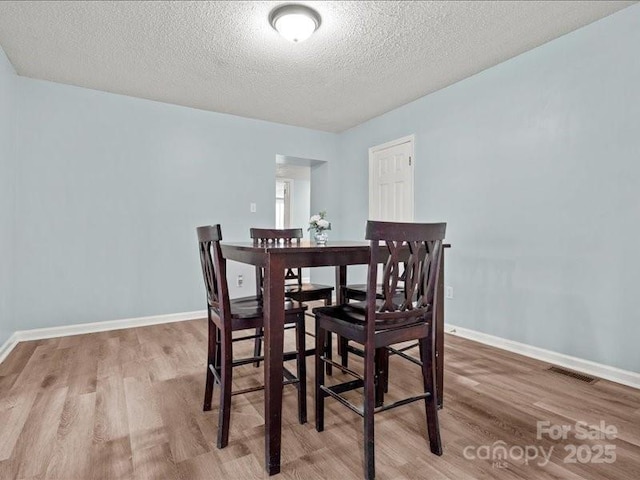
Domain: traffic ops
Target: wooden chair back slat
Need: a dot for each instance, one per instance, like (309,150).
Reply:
(263,236)
(420,272)
(275,235)
(214,270)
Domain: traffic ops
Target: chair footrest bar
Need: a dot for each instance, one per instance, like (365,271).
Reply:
(216,377)
(246,361)
(246,337)
(289,376)
(248,390)
(403,349)
(343,369)
(354,350)
(342,400)
(346,386)
(399,403)
(286,356)
(261,387)
(287,380)
(400,353)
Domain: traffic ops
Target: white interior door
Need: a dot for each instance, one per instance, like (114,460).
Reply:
(391,181)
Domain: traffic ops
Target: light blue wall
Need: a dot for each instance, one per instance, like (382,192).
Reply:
(109,192)
(7,162)
(535,165)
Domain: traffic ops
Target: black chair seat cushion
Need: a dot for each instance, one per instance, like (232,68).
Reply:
(249,307)
(247,312)
(352,315)
(359,291)
(307,287)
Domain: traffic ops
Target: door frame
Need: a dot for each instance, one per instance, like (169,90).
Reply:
(411,139)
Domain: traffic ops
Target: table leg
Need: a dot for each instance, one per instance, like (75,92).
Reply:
(273,348)
(440,335)
(341,280)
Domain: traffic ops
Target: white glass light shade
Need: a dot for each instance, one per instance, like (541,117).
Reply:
(295,27)
(295,22)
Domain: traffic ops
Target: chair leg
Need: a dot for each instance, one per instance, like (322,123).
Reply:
(386,370)
(342,344)
(329,351)
(319,395)
(225,390)
(211,360)
(431,402)
(379,376)
(344,351)
(217,361)
(369,402)
(257,345)
(301,366)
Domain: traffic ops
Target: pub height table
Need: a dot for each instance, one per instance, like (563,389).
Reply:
(275,259)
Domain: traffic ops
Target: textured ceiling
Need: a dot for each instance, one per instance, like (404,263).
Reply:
(367,57)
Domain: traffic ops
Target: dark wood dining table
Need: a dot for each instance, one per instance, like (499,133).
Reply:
(275,258)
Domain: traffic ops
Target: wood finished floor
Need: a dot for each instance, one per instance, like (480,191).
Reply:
(127,404)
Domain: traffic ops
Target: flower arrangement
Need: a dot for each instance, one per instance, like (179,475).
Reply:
(319,223)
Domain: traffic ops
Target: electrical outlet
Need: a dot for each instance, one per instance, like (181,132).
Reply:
(240,280)
(448,291)
(253,208)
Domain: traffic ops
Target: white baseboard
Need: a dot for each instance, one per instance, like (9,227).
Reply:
(67,330)
(7,346)
(625,377)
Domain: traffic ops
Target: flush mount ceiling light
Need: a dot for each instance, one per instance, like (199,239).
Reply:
(294,22)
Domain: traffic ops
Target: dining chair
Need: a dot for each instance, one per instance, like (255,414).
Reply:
(226,316)
(377,323)
(295,288)
(358,293)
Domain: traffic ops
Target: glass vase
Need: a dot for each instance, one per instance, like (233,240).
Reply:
(321,237)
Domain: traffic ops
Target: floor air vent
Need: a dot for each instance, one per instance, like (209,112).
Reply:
(568,373)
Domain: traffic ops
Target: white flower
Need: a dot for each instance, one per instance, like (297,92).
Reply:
(322,223)
(315,218)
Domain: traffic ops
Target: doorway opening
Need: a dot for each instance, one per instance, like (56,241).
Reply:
(296,181)
(293,196)
(299,185)
(283,202)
